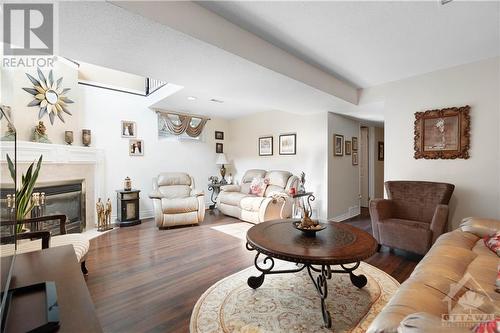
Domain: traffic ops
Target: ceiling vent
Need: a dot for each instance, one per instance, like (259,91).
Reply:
(444,2)
(216,100)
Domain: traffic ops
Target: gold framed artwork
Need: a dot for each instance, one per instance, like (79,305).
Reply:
(338,145)
(442,133)
(355,158)
(354,143)
(348,147)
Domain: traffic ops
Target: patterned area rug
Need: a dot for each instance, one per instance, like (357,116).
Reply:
(289,303)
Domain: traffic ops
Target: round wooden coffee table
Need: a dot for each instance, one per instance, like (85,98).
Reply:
(338,244)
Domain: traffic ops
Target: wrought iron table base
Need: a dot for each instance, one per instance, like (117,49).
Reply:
(320,282)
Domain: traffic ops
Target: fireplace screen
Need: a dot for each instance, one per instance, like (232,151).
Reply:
(51,199)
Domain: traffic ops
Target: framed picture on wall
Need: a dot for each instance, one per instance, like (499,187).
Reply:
(443,133)
(355,158)
(348,147)
(288,144)
(338,145)
(380,151)
(266,146)
(219,135)
(136,147)
(129,129)
(354,143)
(219,148)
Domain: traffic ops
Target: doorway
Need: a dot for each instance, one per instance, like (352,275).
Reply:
(364,166)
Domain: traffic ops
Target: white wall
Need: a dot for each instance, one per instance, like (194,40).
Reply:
(311,155)
(343,177)
(103,111)
(477,182)
(26,118)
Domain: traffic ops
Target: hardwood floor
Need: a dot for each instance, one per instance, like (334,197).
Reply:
(142,279)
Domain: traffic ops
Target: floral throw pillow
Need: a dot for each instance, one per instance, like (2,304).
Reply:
(492,326)
(258,186)
(493,242)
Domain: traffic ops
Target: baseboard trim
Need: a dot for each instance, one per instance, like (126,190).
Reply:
(351,213)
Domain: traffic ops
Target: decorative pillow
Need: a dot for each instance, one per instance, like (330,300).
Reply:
(497,283)
(492,326)
(493,242)
(258,186)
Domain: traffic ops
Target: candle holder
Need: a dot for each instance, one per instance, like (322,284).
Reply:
(68,137)
(86,137)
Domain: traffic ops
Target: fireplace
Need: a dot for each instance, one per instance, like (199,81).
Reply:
(67,197)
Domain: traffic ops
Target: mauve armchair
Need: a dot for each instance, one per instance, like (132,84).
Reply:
(414,215)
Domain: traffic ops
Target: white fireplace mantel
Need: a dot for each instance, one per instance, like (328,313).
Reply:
(63,162)
(52,153)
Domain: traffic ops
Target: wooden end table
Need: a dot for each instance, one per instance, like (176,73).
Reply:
(338,244)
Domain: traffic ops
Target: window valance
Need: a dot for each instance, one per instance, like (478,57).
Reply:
(179,123)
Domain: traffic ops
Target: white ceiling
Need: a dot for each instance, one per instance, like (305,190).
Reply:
(366,43)
(370,43)
(106,35)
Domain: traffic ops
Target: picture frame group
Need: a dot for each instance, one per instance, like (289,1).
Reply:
(287,145)
(343,147)
(129,130)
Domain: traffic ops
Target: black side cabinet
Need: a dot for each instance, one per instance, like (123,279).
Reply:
(128,208)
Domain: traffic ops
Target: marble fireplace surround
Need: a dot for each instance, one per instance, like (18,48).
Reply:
(61,163)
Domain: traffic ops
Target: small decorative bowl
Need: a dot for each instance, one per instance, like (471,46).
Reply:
(308,232)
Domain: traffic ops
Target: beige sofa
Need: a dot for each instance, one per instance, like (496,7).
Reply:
(235,200)
(457,269)
(175,201)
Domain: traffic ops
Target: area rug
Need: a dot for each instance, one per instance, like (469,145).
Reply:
(238,230)
(289,303)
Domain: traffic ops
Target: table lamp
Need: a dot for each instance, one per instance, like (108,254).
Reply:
(221,160)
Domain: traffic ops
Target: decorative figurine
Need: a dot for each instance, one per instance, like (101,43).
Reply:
(127,184)
(108,210)
(86,137)
(213,180)
(100,215)
(39,134)
(10,135)
(301,188)
(68,137)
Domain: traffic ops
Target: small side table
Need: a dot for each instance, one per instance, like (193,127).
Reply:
(215,188)
(127,203)
(308,196)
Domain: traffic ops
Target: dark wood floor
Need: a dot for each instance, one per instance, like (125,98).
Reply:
(147,280)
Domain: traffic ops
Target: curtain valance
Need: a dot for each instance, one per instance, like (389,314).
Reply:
(178,123)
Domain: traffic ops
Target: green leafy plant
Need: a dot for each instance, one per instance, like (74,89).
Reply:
(23,194)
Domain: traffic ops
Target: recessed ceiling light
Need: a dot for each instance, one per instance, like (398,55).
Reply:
(216,100)
(191,98)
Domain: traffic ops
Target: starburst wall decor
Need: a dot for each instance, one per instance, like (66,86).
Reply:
(49,96)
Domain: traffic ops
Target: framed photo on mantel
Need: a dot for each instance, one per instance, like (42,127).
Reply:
(442,134)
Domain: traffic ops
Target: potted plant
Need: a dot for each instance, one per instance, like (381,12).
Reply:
(24,205)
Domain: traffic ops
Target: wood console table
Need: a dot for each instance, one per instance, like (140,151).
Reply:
(59,264)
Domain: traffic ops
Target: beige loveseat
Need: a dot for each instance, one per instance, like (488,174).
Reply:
(457,276)
(175,201)
(235,200)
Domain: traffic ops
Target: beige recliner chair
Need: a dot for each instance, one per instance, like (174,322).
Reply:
(175,201)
